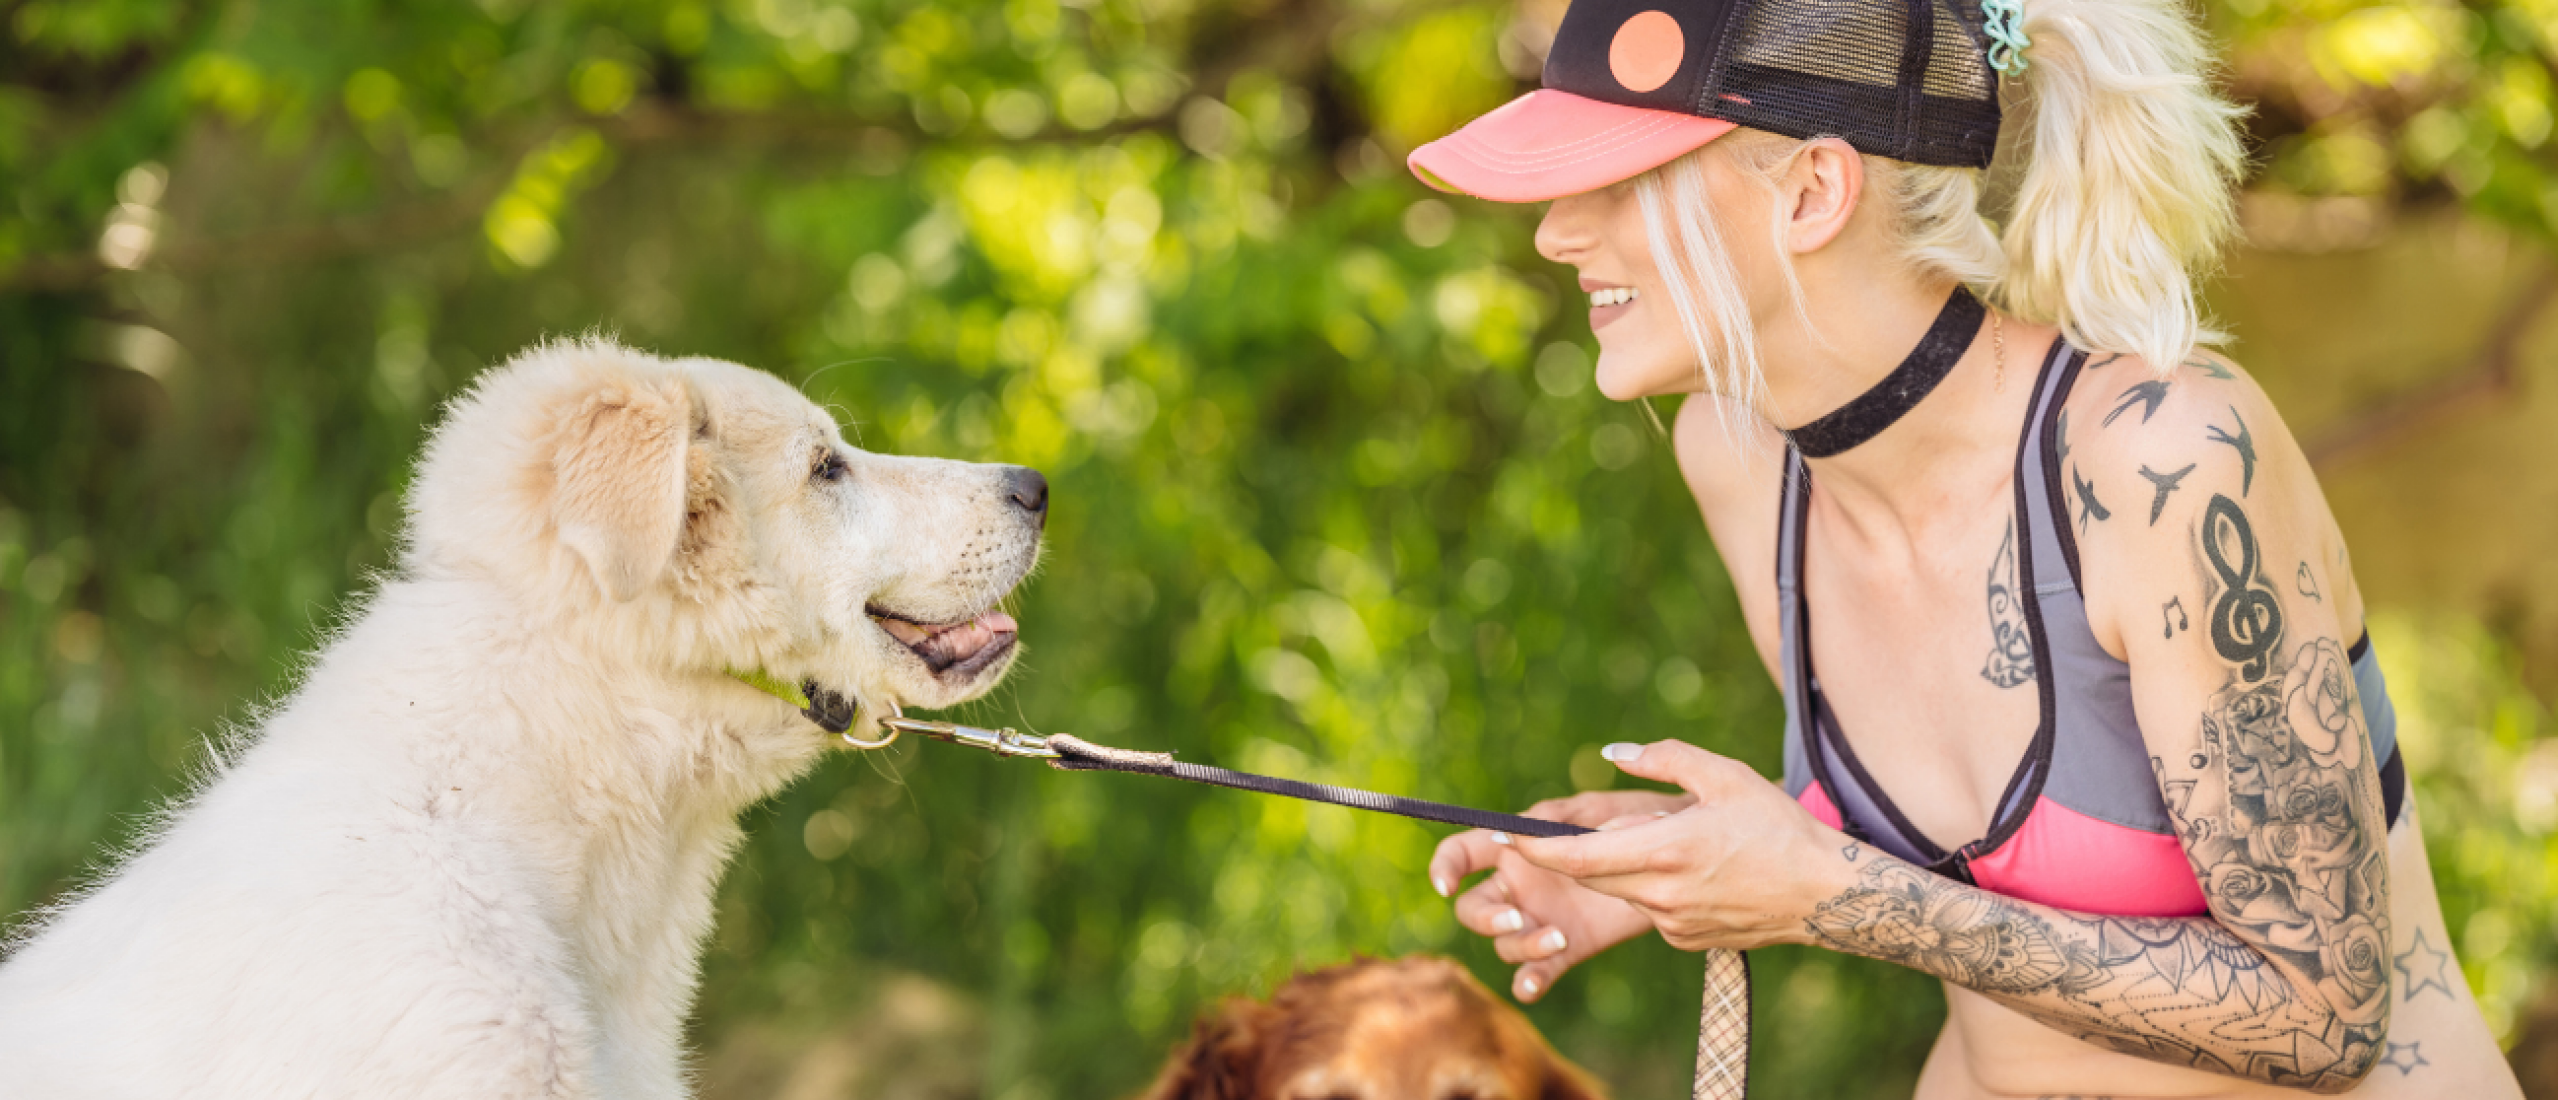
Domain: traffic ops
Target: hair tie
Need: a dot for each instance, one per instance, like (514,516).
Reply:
(2004,22)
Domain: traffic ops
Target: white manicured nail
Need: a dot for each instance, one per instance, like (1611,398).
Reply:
(1622,752)
(1440,885)
(1502,839)
(1510,920)
(1529,986)
(1553,939)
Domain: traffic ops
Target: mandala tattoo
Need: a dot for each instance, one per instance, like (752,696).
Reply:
(2011,660)
(2277,803)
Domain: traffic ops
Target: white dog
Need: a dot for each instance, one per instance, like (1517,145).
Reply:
(474,855)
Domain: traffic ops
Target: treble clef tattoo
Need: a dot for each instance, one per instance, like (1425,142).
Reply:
(2245,620)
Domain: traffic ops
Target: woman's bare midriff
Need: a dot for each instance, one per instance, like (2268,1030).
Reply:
(2439,1046)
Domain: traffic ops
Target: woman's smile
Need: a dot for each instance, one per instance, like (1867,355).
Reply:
(1607,302)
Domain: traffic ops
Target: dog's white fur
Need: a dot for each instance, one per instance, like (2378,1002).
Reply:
(474,855)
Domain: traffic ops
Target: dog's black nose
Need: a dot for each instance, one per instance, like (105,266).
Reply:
(1030,490)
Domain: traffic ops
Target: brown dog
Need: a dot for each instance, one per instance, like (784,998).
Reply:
(1419,1028)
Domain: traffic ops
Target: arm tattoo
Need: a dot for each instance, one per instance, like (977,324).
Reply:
(2089,508)
(2244,444)
(2011,660)
(2166,484)
(2278,806)
(2148,395)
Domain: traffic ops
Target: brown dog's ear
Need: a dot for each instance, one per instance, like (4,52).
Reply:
(618,479)
(1565,1081)
(1220,1060)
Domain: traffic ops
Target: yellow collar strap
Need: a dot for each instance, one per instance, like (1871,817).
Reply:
(764,682)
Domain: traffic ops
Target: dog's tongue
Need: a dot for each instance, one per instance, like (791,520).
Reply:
(952,643)
(962,642)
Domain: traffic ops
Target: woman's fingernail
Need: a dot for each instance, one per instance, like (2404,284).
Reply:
(1510,920)
(1528,986)
(1553,940)
(1440,885)
(1502,839)
(1622,752)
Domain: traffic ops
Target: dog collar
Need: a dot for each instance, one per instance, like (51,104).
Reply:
(832,711)
(764,682)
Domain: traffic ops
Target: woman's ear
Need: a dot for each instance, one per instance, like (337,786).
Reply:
(1820,192)
(1220,1060)
(618,478)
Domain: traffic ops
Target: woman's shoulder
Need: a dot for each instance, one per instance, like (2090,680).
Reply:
(2151,461)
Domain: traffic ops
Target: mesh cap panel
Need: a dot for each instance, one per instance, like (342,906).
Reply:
(1905,79)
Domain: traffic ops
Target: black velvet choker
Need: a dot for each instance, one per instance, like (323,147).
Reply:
(1867,414)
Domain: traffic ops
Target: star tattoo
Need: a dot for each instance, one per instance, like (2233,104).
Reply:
(2404,1057)
(2166,484)
(2244,444)
(2148,395)
(2089,506)
(2421,966)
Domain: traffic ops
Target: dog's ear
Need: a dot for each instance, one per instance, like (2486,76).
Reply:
(619,479)
(1565,1081)
(1220,1060)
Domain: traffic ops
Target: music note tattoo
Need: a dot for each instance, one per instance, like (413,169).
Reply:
(2166,484)
(2246,620)
(2179,622)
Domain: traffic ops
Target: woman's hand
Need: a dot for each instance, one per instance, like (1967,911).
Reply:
(1740,866)
(1537,918)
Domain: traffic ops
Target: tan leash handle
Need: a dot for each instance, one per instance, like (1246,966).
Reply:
(1723,1028)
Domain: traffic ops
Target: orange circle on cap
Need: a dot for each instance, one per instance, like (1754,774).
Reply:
(1646,52)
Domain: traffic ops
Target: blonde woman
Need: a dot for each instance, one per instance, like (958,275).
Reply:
(2082,717)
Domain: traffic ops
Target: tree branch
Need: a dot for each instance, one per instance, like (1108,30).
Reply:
(2495,372)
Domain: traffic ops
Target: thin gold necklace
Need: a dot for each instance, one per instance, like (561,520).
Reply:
(1998,351)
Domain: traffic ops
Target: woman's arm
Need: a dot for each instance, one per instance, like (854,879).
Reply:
(2181,990)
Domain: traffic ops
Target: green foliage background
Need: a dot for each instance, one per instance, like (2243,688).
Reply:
(1335,498)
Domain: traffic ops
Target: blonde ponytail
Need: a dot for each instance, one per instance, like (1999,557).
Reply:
(2128,188)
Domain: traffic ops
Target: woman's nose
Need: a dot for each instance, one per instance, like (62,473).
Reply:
(1563,235)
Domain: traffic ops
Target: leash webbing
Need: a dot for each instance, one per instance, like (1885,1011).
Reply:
(1723,1023)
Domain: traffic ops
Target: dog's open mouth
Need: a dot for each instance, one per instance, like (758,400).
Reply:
(964,647)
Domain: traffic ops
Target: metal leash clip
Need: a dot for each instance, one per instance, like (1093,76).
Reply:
(1001,742)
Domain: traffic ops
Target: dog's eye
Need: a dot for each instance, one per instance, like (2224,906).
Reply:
(830,467)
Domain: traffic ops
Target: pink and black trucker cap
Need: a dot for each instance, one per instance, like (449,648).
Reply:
(1631,85)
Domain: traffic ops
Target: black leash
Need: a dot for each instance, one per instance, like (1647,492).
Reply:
(1723,1028)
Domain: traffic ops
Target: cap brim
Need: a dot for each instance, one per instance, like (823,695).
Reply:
(1548,144)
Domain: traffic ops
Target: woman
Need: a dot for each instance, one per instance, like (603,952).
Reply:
(2082,718)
